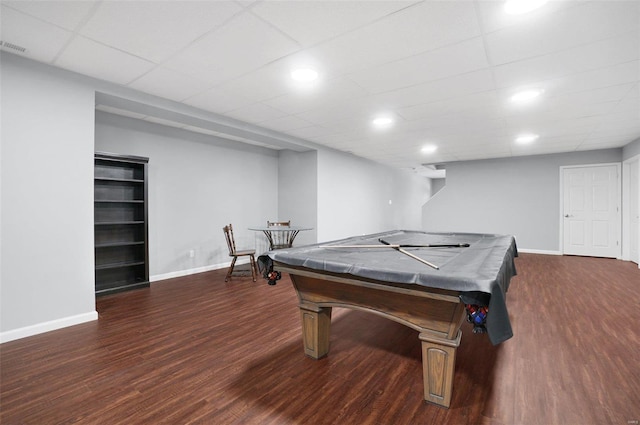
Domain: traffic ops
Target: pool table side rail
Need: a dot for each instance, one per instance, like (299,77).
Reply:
(401,288)
(438,313)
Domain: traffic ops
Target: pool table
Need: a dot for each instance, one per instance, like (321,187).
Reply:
(419,279)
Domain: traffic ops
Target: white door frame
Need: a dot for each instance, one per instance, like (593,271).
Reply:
(618,200)
(626,209)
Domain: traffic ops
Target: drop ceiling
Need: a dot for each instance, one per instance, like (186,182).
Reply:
(443,70)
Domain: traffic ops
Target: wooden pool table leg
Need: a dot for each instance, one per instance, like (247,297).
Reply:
(438,366)
(316,327)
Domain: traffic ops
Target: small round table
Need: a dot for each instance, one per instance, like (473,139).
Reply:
(280,236)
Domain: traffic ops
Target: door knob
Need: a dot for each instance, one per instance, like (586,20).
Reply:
(568,215)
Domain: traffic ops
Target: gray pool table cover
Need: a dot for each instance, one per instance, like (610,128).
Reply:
(481,272)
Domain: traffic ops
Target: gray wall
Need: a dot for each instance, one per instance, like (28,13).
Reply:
(47,276)
(517,196)
(437,185)
(197,185)
(354,195)
(297,189)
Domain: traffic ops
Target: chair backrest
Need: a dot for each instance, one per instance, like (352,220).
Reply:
(281,238)
(278,223)
(231,243)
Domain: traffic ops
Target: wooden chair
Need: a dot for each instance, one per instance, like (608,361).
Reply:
(280,237)
(233,252)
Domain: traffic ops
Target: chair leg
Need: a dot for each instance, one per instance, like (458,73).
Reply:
(233,263)
(254,267)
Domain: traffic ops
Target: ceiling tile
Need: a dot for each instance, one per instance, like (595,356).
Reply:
(601,144)
(576,26)
(471,129)
(629,105)
(624,130)
(155,30)
(270,81)
(66,14)
(552,125)
(340,138)
(556,105)
(329,94)
(312,22)
(438,90)
(357,110)
(494,17)
(538,149)
(427,63)
(242,45)
(41,40)
(476,102)
(623,114)
(481,151)
(452,60)
(589,57)
(601,94)
(614,75)
(608,140)
(217,100)
(416,29)
(169,84)
(99,61)
(559,112)
(256,113)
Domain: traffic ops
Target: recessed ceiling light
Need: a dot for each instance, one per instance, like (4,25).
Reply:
(304,75)
(428,149)
(526,95)
(518,7)
(383,121)
(526,139)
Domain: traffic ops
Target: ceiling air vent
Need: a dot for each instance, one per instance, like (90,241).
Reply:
(12,47)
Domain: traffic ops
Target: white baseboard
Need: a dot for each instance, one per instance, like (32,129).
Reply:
(47,326)
(180,273)
(87,317)
(538,251)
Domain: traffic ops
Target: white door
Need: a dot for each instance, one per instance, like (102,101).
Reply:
(634,211)
(591,211)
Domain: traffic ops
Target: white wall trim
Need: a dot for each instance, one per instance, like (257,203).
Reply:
(187,272)
(51,325)
(88,317)
(626,209)
(538,251)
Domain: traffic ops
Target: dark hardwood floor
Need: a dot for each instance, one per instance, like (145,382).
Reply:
(197,350)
